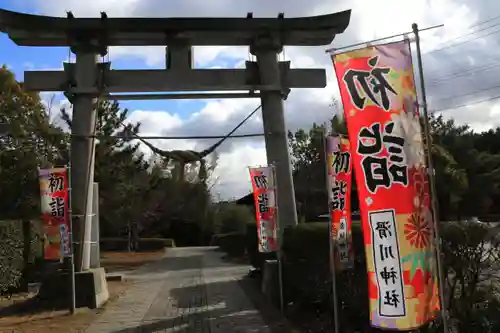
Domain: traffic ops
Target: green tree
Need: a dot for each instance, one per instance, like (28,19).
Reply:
(120,170)
(307,150)
(467,169)
(29,141)
(27,145)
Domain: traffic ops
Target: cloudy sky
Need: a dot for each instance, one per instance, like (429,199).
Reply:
(461,63)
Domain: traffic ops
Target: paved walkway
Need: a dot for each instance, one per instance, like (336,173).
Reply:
(191,290)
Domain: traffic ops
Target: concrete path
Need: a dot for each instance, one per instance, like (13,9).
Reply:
(191,290)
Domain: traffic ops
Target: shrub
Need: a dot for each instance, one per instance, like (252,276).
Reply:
(145,244)
(215,241)
(233,244)
(471,255)
(471,263)
(232,218)
(11,253)
(308,279)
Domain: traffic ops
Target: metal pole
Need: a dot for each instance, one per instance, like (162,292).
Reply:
(330,237)
(72,306)
(432,181)
(280,241)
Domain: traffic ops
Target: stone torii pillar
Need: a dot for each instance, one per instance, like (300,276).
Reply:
(84,101)
(266,49)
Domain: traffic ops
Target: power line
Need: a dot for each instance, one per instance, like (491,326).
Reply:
(463,42)
(468,94)
(468,34)
(485,21)
(468,104)
(472,32)
(468,72)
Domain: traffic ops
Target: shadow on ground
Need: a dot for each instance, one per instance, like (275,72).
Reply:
(172,264)
(32,305)
(197,310)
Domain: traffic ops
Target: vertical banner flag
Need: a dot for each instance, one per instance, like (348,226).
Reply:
(379,97)
(55,215)
(339,192)
(264,190)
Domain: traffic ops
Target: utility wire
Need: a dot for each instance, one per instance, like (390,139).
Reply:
(468,94)
(472,32)
(467,104)
(467,72)
(474,69)
(462,42)
(465,35)
(485,21)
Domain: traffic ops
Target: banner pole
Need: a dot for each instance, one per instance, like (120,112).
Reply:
(72,307)
(432,181)
(280,238)
(330,237)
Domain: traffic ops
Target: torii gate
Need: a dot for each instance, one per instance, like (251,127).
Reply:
(86,79)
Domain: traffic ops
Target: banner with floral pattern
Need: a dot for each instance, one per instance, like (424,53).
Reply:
(264,190)
(55,214)
(339,186)
(380,106)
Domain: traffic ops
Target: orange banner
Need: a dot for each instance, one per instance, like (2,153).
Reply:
(264,189)
(54,204)
(379,97)
(339,191)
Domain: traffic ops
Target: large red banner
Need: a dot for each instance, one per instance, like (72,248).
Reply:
(264,189)
(55,214)
(339,190)
(379,97)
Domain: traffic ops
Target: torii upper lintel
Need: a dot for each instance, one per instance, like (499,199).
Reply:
(36,30)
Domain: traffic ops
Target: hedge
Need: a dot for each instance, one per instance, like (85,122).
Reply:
(11,254)
(469,251)
(145,244)
(232,243)
(307,277)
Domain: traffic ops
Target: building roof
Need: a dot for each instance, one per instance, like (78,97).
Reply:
(246,200)
(37,30)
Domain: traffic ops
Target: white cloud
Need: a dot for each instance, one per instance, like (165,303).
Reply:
(370,20)
(234,180)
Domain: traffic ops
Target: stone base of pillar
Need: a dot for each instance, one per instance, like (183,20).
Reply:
(91,289)
(270,282)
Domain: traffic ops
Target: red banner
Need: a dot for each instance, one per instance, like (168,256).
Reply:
(55,215)
(378,93)
(264,189)
(339,190)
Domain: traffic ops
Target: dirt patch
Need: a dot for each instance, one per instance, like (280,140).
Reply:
(32,315)
(115,262)
(23,313)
